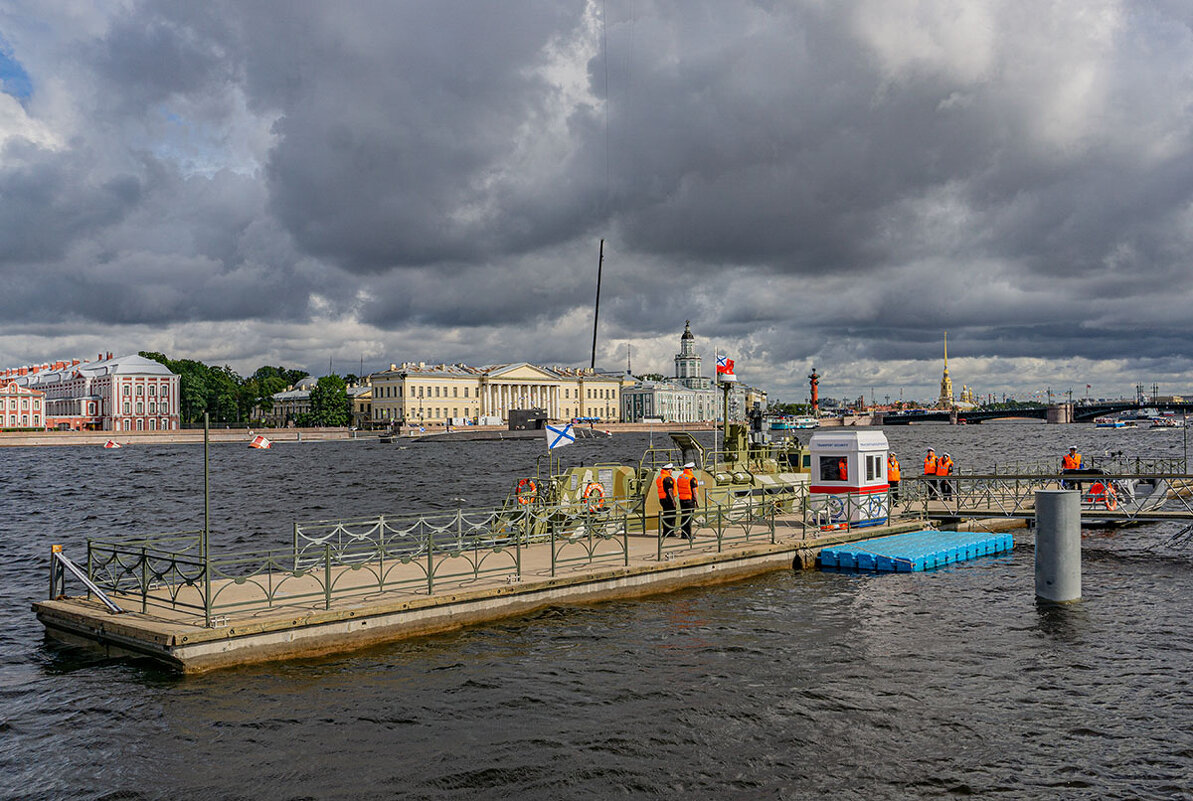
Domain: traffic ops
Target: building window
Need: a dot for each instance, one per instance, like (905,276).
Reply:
(127,408)
(91,408)
(465,392)
(140,390)
(152,407)
(140,425)
(140,408)
(455,392)
(127,391)
(153,390)
(152,424)
(165,390)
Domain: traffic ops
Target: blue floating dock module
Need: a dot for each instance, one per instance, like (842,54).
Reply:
(917,550)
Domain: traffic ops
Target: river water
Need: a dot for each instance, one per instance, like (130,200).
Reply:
(790,685)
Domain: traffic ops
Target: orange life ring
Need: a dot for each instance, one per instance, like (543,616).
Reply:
(526,491)
(594,494)
(1110,500)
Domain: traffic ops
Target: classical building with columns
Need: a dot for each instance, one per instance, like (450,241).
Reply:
(422,394)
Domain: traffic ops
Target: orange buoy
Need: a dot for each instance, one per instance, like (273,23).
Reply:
(260,442)
(112,444)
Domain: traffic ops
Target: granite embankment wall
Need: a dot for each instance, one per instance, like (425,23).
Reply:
(193,436)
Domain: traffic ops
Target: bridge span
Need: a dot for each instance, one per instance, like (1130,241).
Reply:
(1058,412)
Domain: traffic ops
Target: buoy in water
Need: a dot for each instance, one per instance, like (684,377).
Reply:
(260,442)
(112,444)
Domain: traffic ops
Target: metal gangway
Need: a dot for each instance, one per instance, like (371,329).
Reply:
(1114,491)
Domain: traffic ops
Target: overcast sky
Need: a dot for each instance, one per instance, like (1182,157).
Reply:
(810,183)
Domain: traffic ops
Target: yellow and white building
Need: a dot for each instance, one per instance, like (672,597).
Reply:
(422,394)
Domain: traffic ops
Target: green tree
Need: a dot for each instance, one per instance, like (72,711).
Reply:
(329,403)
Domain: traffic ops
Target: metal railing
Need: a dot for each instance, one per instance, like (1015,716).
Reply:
(1014,495)
(333,560)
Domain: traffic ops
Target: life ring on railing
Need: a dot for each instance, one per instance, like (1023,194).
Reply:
(594,496)
(526,491)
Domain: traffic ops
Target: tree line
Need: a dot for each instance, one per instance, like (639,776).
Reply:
(231,399)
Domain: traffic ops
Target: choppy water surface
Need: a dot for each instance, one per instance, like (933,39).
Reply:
(791,685)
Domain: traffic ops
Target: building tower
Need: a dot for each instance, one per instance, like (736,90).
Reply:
(687,361)
(946,383)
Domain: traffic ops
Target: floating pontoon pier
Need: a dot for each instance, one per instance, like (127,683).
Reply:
(915,551)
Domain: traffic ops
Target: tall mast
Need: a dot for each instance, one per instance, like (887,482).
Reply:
(597,312)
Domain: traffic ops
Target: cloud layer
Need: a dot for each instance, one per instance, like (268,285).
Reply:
(809,183)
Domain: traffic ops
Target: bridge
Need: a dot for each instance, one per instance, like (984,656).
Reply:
(1078,412)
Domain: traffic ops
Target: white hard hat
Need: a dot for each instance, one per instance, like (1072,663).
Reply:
(689,464)
(1072,447)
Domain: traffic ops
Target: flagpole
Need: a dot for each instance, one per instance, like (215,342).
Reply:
(716,355)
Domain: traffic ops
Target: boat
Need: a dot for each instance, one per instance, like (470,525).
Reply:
(805,422)
(1129,495)
(1113,422)
(740,475)
(1167,422)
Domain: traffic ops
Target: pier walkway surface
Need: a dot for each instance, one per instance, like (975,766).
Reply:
(316,607)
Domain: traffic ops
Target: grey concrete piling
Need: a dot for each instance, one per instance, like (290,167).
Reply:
(1058,545)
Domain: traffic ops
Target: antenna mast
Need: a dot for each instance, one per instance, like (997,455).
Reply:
(597,312)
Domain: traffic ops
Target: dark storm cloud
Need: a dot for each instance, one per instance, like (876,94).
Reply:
(839,182)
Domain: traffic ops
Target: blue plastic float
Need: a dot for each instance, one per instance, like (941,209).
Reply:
(917,550)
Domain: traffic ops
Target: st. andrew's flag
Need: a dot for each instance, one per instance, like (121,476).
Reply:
(558,436)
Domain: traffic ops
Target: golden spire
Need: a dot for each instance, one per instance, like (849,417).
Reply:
(946,383)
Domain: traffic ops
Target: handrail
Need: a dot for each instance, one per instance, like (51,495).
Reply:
(59,563)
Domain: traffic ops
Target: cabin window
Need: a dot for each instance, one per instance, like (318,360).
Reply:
(873,468)
(834,468)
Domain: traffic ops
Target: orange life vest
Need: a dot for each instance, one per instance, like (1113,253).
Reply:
(944,467)
(686,485)
(659,483)
(930,465)
(892,468)
(1071,461)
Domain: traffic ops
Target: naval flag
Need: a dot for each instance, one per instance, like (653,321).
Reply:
(558,436)
(724,365)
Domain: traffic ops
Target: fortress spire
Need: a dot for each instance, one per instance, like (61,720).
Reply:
(946,384)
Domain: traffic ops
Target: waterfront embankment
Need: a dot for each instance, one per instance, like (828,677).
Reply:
(190,436)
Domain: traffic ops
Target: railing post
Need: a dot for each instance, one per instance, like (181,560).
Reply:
(144,581)
(659,534)
(206,589)
(430,561)
(54,570)
(327,575)
(552,533)
(720,528)
(518,550)
(625,537)
(381,552)
(773,513)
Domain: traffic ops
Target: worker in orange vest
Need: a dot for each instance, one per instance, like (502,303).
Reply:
(842,469)
(892,476)
(930,473)
(665,485)
(1071,460)
(685,488)
(944,467)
